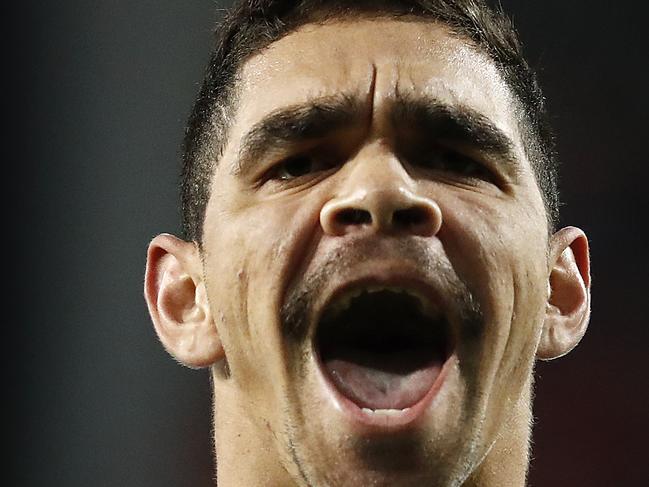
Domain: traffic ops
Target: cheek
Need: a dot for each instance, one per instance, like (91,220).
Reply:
(252,251)
(501,254)
(499,249)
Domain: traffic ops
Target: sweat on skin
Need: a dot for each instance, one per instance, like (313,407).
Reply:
(371,200)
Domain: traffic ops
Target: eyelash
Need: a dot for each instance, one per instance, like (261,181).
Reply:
(281,170)
(452,162)
(447,161)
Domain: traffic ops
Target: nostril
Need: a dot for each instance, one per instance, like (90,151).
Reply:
(388,211)
(353,216)
(410,217)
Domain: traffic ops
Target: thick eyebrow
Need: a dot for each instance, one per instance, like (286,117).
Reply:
(457,124)
(426,116)
(295,124)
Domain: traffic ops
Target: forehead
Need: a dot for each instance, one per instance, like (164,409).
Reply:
(373,57)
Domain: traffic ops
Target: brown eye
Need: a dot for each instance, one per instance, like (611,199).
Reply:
(294,167)
(299,166)
(458,163)
(454,163)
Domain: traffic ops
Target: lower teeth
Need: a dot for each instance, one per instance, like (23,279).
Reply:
(385,412)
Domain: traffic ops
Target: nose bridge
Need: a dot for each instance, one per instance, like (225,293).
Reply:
(377,169)
(377,192)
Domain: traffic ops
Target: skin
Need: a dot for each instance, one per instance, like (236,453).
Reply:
(479,234)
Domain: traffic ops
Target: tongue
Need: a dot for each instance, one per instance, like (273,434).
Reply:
(383,380)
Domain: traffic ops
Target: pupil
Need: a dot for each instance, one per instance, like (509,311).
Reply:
(298,166)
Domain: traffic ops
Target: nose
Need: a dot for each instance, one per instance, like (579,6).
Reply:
(379,194)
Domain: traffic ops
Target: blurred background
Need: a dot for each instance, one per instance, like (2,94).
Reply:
(96,98)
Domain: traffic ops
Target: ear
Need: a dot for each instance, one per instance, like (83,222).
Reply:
(568,307)
(177,300)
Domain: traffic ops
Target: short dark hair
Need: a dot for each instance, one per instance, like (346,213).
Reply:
(252,25)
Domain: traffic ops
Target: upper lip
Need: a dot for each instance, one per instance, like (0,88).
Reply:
(391,276)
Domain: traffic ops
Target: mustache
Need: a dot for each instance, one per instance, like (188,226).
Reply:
(298,307)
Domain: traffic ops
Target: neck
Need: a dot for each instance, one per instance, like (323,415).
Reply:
(507,462)
(246,450)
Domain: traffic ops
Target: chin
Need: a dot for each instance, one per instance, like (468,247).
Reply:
(402,460)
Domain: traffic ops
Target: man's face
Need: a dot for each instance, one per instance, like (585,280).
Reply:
(375,254)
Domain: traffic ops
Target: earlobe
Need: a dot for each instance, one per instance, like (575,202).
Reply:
(568,306)
(177,300)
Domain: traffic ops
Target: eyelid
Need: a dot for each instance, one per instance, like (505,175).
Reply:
(425,159)
(324,161)
(282,165)
(492,163)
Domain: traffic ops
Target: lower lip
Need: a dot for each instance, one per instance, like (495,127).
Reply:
(383,422)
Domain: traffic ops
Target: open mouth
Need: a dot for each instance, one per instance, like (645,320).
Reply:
(382,348)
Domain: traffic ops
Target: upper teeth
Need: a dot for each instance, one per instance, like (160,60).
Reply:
(343,301)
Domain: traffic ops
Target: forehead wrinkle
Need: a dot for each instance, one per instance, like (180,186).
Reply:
(311,120)
(258,75)
(384,76)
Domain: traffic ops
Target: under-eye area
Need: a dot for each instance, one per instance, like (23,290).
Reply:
(382,348)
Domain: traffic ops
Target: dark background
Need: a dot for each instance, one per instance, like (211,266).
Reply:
(97,94)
